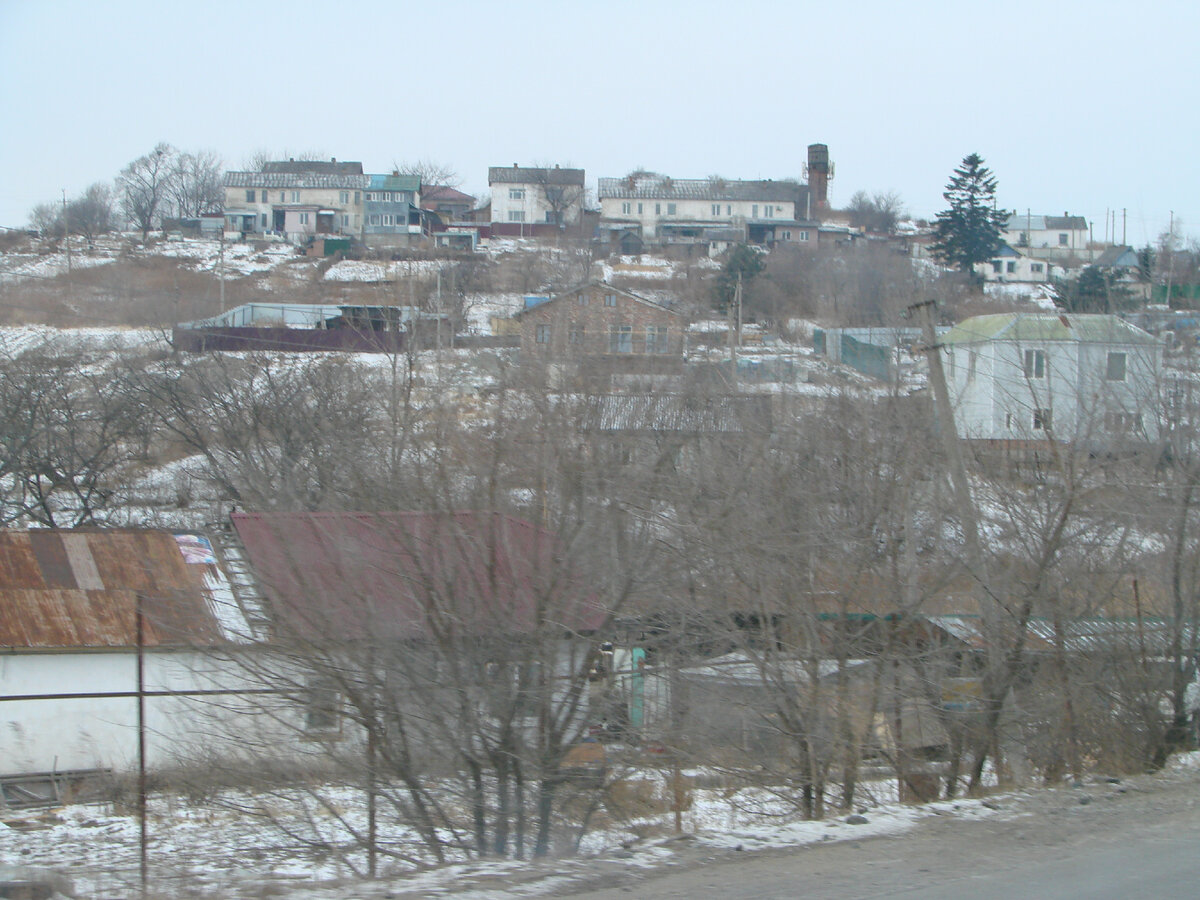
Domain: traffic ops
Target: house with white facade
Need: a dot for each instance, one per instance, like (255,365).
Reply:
(1047,377)
(1010,266)
(1048,237)
(532,195)
(94,623)
(665,210)
(297,200)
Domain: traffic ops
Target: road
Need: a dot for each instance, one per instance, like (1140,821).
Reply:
(1139,838)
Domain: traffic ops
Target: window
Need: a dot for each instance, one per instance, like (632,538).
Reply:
(670,209)
(658,209)
(283,196)
(610,299)
(1062,239)
(264,220)
(575,335)
(543,334)
(1115,371)
(656,339)
(357,199)
(620,339)
(323,709)
(768,212)
(639,209)
(516,215)
(785,235)
(345,221)
(387,219)
(583,298)
(303,218)
(250,196)
(1035,363)
(516,193)
(729,209)
(716,209)
(1036,268)
(1041,419)
(626,208)
(754,211)
(1010,267)
(387,197)
(295,196)
(373,219)
(804,235)
(1122,421)
(1009,420)
(344,197)
(997,265)
(971,357)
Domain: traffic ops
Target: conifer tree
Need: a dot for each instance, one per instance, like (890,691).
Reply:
(969,231)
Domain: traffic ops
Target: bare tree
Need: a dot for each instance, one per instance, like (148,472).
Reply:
(878,212)
(433,173)
(195,183)
(144,186)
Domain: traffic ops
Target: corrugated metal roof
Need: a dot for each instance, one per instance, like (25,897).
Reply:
(403,576)
(1023,222)
(533,175)
(314,167)
(395,182)
(1030,327)
(65,589)
(296,180)
(652,186)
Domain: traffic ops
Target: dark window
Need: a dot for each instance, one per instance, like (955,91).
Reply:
(250,197)
(543,334)
(1115,371)
(1041,420)
(1035,363)
(620,339)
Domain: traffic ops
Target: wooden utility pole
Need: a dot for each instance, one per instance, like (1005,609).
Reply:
(67,231)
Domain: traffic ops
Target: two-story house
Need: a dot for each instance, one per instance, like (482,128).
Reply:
(392,210)
(297,199)
(1047,237)
(597,319)
(530,195)
(1050,377)
(666,210)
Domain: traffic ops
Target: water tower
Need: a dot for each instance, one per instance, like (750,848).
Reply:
(818,172)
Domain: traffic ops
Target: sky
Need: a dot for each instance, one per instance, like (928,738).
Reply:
(1076,107)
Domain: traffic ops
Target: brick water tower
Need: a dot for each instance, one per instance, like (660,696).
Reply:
(818,172)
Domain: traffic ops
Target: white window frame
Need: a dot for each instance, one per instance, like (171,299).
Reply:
(516,215)
(1035,364)
(516,193)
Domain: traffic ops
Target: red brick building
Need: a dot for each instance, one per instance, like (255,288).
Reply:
(597,319)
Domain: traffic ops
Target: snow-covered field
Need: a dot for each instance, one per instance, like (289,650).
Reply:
(216,848)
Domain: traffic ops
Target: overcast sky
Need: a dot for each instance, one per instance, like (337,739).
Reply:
(1076,107)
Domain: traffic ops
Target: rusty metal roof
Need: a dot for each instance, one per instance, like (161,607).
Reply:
(347,576)
(79,589)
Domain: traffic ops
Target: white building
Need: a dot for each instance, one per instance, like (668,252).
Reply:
(298,200)
(674,210)
(1053,377)
(70,605)
(527,195)
(1047,237)
(1010,266)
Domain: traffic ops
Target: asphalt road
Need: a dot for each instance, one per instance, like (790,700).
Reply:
(1133,840)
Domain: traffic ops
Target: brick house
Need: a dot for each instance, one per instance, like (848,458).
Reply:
(597,319)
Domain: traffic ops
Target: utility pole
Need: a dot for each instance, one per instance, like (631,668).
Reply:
(67,232)
(221,265)
(734,327)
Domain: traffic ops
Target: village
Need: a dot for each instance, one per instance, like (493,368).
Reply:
(415,531)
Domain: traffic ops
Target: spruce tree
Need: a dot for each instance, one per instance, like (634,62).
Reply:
(969,231)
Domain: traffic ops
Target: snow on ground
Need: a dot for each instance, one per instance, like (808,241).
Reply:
(240,258)
(373,270)
(210,848)
(1038,294)
(20,339)
(22,266)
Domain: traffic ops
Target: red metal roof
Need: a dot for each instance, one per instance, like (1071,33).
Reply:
(412,575)
(64,589)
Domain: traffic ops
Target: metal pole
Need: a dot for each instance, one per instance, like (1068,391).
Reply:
(141,732)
